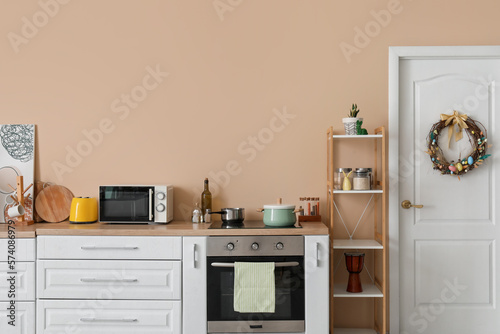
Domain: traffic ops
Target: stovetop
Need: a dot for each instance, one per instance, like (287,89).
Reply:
(248,224)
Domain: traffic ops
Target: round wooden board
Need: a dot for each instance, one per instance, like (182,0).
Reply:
(53,203)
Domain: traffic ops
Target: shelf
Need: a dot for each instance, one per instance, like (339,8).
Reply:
(369,290)
(354,331)
(377,286)
(356,244)
(357,136)
(372,191)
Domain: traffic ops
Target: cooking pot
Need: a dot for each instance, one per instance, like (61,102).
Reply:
(279,215)
(232,215)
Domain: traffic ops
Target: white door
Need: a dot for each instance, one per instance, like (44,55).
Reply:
(447,260)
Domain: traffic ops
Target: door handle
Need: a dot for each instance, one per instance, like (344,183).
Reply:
(194,256)
(406,204)
(317,254)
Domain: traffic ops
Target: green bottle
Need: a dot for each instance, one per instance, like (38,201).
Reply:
(206,199)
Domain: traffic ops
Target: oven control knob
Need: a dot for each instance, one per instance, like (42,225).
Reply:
(160,207)
(160,196)
(255,246)
(279,246)
(230,246)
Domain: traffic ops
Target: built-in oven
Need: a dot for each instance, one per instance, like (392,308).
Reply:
(287,254)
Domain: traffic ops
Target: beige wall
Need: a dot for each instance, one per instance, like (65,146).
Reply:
(230,73)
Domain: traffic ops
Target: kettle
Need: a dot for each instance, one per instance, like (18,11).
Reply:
(83,210)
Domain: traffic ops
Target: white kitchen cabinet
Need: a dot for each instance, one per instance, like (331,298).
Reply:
(24,300)
(108,317)
(25,249)
(109,284)
(25,318)
(25,281)
(194,282)
(93,279)
(109,247)
(317,280)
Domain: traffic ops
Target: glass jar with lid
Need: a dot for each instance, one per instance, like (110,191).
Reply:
(362,179)
(338,177)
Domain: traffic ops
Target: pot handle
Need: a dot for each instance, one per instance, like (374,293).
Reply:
(301,209)
(260,210)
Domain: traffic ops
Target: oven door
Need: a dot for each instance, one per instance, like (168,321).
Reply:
(289,310)
(127,204)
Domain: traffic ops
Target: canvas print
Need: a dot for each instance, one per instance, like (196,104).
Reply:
(17,158)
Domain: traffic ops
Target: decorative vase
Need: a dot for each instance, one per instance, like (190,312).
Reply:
(350,125)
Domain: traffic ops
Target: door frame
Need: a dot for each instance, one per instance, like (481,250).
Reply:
(396,54)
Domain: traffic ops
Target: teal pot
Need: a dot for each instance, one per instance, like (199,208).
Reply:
(279,215)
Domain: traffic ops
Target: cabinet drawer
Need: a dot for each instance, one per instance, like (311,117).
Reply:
(92,279)
(108,317)
(109,247)
(24,318)
(24,249)
(24,281)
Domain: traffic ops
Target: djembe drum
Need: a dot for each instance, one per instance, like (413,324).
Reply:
(354,263)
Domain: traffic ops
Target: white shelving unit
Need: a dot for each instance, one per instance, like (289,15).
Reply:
(354,331)
(356,244)
(378,290)
(373,191)
(369,291)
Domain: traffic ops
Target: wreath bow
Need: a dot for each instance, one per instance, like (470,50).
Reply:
(454,119)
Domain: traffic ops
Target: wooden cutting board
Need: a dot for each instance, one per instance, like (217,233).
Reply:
(53,203)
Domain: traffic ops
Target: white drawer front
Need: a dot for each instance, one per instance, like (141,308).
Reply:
(24,249)
(91,279)
(108,317)
(24,318)
(24,281)
(109,247)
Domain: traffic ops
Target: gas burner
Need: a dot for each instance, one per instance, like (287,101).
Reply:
(251,224)
(230,225)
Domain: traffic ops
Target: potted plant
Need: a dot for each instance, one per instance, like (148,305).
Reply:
(351,120)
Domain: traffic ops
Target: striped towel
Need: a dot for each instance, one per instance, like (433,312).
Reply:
(254,287)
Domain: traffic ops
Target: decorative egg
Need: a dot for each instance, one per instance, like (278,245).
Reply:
(470,161)
(459,166)
(452,168)
(472,132)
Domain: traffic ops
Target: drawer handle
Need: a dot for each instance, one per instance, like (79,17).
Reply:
(108,247)
(106,320)
(109,280)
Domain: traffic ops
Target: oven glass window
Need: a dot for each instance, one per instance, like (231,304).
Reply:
(289,291)
(124,203)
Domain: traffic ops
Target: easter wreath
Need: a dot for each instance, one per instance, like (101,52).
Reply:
(476,134)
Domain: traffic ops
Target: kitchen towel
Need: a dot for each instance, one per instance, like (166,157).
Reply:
(254,288)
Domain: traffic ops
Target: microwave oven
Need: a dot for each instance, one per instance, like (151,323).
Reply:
(136,204)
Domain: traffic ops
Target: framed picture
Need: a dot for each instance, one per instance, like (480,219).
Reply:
(17,158)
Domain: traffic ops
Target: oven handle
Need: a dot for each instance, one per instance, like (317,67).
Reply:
(276,264)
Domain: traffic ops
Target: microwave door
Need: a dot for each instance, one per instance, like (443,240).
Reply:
(127,204)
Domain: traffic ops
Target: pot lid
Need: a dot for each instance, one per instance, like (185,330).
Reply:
(280,207)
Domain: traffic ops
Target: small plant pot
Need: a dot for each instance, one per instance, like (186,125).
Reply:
(350,125)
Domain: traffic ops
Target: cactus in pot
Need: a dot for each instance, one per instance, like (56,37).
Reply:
(351,121)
